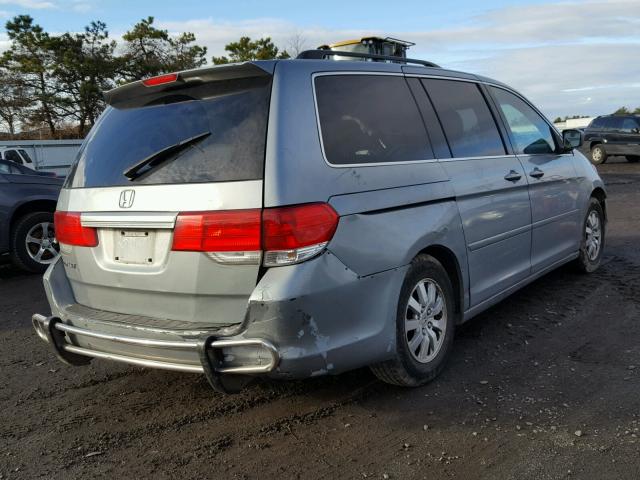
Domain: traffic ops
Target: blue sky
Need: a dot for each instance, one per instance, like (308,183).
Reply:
(119,14)
(571,57)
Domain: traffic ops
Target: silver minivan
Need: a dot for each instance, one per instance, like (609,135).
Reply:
(305,217)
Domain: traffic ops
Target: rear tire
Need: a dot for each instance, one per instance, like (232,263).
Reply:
(633,158)
(593,238)
(598,154)
(425,326)
(33,237)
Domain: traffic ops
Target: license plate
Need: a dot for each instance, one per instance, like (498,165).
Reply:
(134,246)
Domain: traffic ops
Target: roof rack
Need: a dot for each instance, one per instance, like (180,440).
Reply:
(323,54)
(397,40)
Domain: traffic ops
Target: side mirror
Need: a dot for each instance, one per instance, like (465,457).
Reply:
(572,139)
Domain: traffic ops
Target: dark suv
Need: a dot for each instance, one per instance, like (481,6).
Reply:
(613,135)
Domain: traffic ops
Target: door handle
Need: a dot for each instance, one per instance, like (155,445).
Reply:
(512,176)
(536,173)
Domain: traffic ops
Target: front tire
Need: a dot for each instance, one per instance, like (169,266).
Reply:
(593,237)
(425,326)
(33,242)
(598,155)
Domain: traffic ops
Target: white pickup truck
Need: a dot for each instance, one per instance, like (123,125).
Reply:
(48,155)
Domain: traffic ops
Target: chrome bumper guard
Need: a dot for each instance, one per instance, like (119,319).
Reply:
(53,331)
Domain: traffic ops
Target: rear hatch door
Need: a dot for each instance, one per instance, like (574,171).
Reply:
(169,172)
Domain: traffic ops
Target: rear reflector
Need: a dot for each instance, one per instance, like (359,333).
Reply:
(160,80)
(70,231)
(287,235)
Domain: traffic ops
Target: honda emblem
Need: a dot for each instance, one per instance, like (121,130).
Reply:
(126,198)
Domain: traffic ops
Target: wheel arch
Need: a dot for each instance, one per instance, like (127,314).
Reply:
(599,194)
(451,264)
(32,206)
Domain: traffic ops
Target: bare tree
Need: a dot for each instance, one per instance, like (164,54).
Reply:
(296,44)
(14,101)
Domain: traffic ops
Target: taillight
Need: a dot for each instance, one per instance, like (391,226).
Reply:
(222,231)
(284,235)
(160,80)
(297,233)
(69,230)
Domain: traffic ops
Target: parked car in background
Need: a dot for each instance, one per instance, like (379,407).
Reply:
(613,135)
(305,217)
(27,202)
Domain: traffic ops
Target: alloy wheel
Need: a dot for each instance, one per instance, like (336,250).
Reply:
(41,243)
(596,154)
(425,320)
(593,235)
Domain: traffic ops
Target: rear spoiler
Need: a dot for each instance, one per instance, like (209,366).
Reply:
(145,91)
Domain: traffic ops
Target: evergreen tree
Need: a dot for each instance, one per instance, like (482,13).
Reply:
(245,50)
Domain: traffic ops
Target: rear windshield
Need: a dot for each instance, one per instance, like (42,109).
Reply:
(211,134)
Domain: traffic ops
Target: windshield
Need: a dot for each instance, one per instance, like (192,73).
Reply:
(234,113)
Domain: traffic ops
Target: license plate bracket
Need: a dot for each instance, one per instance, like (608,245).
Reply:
(134,247)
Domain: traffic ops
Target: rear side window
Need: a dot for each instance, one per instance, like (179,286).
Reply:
(630,125)
(465,117)
(181,138)
(530,133)
(369,119)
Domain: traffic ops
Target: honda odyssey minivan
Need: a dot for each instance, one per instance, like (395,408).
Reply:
(304,217)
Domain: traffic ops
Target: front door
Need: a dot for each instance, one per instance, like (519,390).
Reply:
(553,185)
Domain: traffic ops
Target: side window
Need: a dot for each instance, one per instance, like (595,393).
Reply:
(4,168)
(25,156)
(465,117)
(369,119)
(12,156)
(529,131)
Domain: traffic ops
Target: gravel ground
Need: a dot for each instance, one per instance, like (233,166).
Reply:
(544,385)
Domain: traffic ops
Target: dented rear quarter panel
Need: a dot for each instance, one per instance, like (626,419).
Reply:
(324,317)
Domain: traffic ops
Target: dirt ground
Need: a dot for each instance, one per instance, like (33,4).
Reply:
(544,385)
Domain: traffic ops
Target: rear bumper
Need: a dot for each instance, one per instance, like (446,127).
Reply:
(78,333)
(310,319)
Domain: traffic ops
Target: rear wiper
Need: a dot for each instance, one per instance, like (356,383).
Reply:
(156,159)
